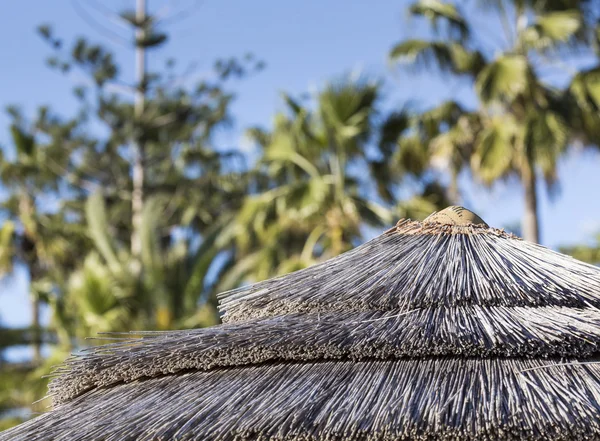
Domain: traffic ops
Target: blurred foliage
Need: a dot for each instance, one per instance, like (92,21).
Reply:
(522,123)
(126,216)
(316,180)
(69,218)
(585,253)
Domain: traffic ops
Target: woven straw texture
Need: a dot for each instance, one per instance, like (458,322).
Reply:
(442,329)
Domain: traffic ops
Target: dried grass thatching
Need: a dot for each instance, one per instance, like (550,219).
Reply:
(442,329)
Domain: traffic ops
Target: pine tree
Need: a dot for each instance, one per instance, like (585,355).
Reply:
(114,211)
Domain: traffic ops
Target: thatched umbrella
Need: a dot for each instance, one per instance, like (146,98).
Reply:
(441,329)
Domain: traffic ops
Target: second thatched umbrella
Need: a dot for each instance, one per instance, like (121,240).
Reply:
(441,329)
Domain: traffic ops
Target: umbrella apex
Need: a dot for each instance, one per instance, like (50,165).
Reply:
(455,215)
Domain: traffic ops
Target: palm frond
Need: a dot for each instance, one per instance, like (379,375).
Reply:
(546,136)
(24,143)
(585,87)
(7,248)
(412,155)
(95,209)
(438,11)
(447,57)
(504,79)
(493,157)
(552,29)
(392,128)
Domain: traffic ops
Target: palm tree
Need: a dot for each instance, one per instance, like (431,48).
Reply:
(438,138)
(311,206)
(164,199)
(316,185)
(584,91)
(35,234)
(39,232)
(103,295)
(520,124)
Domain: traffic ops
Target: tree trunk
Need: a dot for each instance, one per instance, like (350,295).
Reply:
(36,329)
(138,171)
(531,230)
(453,191)
(30,254)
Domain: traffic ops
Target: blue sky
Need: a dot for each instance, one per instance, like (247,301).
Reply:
(304,44)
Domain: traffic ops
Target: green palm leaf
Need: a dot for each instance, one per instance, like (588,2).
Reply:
(98,229)
(151,252)
(447,57)
(585,88)
(202,260)
(437,11)
(7,248)
(24,143)
(412,155)
(493,155)
(98,296)
(547,137)
(552,29)
(585,93)
(347,108)
(504,79)
(282,148)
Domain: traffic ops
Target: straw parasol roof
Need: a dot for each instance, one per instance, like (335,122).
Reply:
(441,329)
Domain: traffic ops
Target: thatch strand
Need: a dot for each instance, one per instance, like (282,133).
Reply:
(427,399)
(410,268)
(465,331)
(432,331)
